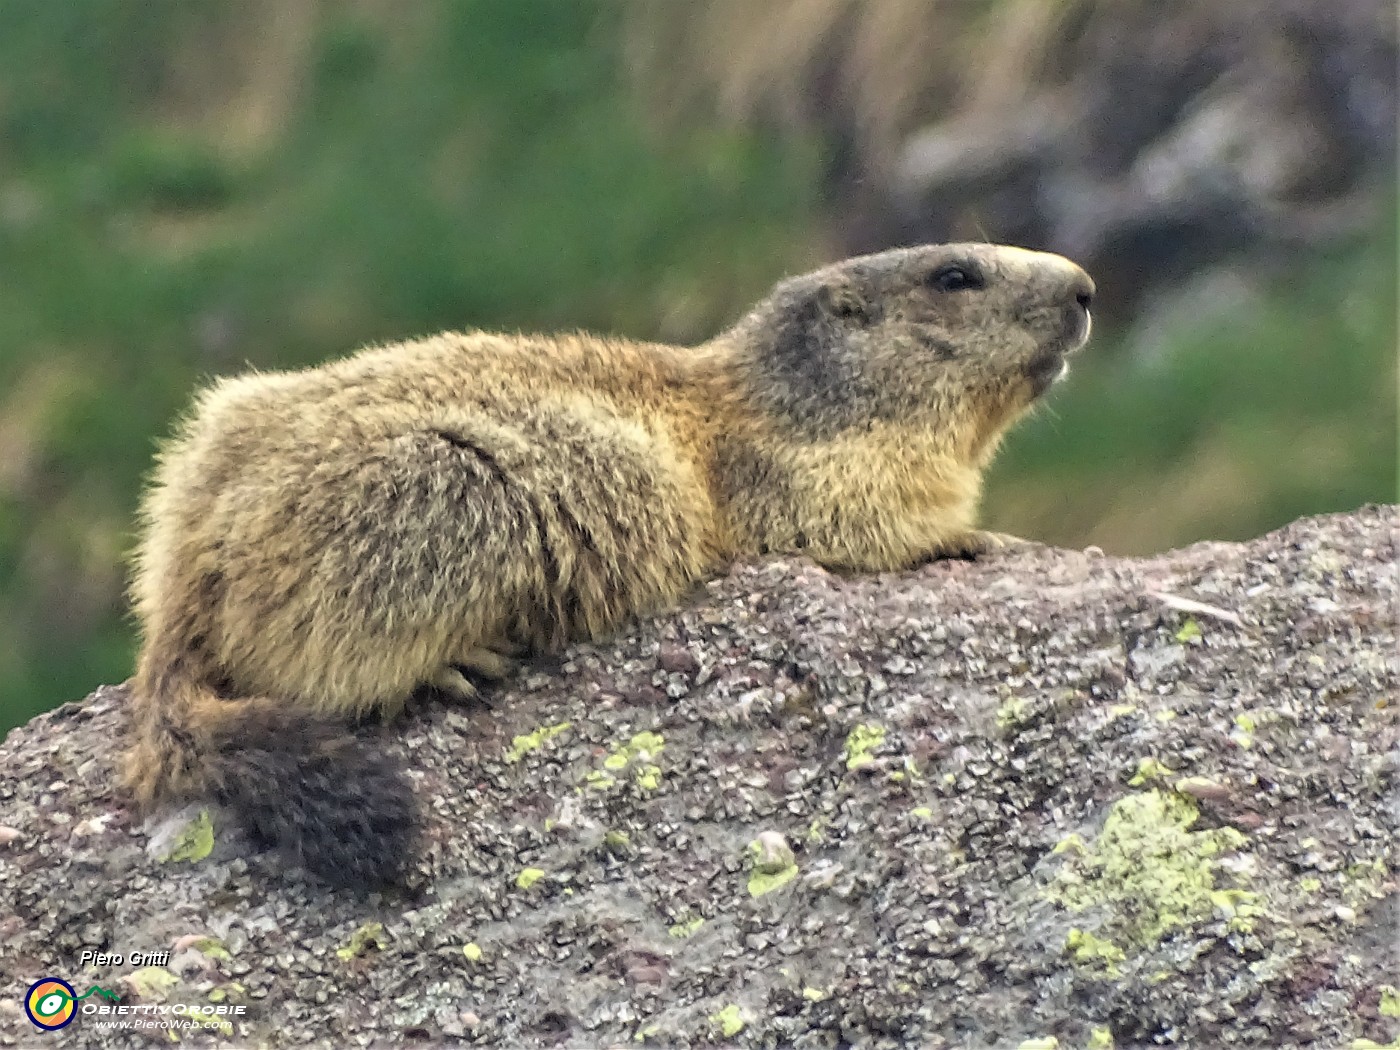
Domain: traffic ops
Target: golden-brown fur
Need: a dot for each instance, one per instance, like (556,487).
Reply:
(319,544)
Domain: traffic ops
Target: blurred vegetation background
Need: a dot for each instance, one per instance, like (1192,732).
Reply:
(192,188)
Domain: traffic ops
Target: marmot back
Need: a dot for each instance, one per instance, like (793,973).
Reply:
(320,544)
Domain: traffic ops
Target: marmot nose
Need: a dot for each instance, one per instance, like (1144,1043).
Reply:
(1083,289)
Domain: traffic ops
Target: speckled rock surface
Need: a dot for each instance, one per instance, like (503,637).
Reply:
(1039,795)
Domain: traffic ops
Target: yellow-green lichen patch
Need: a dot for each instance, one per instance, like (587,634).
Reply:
(152,983)
(1044,1042)
(1012,712)
(729,1021)
(195,840)
(1072,843)
(860,742)
(773,864)
(472,951)
(1371,1044)
(1390,1001)
(1094,952)
(528,877)
(211,948)
(370,935)
(231,992)
(687,928)
(1148,869)
(1189,632)
(1100,1039)
(762,882)
(639,754)
(522,745)
(922,812)
(813,995)
(1149,769)
(647,743)
(1363,884)
(1243,733)
(1240,908)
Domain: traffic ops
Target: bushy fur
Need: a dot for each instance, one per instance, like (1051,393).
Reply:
(318,544)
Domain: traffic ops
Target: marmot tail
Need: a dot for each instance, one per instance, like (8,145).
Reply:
(299,781)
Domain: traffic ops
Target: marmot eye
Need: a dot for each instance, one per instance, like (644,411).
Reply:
(955,279)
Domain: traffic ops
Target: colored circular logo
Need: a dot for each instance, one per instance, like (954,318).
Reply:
(50,1003)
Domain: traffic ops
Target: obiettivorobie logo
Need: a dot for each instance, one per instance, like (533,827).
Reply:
(51,1003)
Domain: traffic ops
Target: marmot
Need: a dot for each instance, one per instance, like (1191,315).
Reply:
(319,544)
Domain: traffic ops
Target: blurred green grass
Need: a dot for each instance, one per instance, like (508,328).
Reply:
(399,170)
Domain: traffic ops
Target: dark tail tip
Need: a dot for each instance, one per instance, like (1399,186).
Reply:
(327,799)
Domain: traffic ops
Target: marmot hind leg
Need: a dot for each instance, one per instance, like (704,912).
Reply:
(487,663)
(453,684)
(455,680)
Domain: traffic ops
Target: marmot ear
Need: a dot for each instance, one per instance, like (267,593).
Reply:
(844,302)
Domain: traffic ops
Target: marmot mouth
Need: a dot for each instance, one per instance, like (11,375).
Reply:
(1049,364)
(1046,367)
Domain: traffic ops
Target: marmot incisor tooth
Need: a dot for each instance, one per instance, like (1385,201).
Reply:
(319,544)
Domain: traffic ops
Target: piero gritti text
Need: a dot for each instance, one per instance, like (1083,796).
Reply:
(90,957)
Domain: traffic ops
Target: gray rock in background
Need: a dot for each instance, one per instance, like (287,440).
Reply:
(1182,136)
(1148,142)
(1049,793)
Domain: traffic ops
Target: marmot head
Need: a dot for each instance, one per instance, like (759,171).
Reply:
(954,338)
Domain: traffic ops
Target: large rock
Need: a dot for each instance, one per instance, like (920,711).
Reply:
(1050,793)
